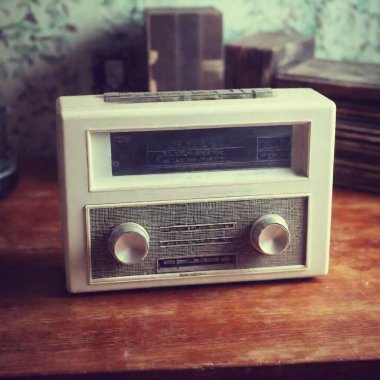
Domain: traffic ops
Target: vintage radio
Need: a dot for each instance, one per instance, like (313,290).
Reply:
(178,188)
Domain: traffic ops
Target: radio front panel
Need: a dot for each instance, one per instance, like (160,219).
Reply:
(194,187)
(195,236)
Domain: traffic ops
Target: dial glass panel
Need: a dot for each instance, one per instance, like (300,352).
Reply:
(153,152)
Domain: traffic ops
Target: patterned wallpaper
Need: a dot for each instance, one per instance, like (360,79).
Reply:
(47,46)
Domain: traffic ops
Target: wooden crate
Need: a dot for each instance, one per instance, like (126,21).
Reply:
(185,49)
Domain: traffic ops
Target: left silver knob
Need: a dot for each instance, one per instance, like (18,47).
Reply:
(129,243)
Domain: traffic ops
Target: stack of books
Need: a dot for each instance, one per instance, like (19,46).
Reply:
(355,88)
(252,61)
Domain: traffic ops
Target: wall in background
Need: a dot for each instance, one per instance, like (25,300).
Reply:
(46,46)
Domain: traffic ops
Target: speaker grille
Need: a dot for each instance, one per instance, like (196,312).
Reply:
(196,229)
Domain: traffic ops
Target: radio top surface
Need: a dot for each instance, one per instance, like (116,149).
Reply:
(113,99)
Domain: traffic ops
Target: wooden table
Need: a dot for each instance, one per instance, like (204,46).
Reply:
(326,326)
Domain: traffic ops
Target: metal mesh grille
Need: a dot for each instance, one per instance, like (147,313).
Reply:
(240,213)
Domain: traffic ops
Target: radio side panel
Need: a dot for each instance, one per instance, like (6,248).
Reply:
(72,176)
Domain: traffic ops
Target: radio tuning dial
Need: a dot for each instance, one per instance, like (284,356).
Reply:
(270,234)
(129,243)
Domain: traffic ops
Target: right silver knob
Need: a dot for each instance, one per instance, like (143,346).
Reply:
(270,234)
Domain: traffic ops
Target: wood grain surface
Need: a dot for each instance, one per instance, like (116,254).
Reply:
(326,326)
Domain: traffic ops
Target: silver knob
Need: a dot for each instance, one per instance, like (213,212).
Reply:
(129,243)
(270,234)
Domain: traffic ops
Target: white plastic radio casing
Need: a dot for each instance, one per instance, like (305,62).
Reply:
(86,180)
